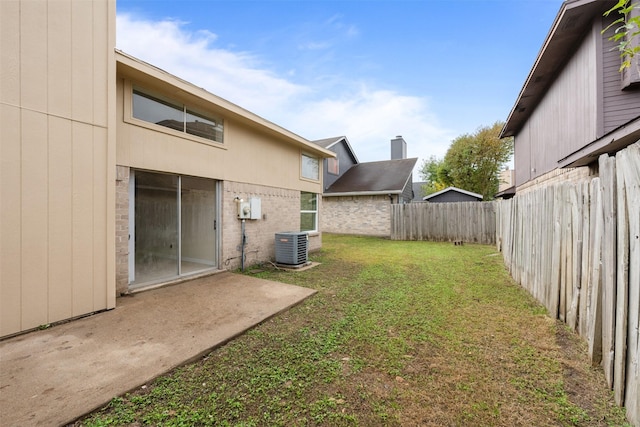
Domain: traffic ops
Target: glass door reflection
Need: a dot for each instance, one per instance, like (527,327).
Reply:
(156,226)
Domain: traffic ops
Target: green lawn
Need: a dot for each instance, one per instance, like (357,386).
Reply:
(399,333)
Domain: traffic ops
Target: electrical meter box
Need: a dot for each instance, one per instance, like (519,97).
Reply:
(251,209)
(255,208)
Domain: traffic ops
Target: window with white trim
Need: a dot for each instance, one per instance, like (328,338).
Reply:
(308,211)
(310,167)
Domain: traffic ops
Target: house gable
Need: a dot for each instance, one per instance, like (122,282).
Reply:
(345,158)
(453,194)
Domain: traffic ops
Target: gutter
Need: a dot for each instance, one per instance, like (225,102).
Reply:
(363,193)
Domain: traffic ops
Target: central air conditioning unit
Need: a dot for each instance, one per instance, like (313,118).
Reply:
(292,248)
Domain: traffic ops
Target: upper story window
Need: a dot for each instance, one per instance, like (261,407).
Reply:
(333,166)
(310,167)
(175,115)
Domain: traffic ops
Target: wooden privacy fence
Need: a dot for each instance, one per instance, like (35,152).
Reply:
(576,248)
(461,221)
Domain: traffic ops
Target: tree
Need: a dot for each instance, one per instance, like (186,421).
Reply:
(473,161)
(434,173)
(626,31)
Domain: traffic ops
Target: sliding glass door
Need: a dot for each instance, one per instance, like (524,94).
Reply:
(173,227)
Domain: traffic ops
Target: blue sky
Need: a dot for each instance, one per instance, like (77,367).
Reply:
(428,70)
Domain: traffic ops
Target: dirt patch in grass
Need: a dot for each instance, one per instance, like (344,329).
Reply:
(399,334)
(585,384)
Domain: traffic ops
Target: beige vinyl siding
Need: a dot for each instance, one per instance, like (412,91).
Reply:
(565,119)
(57,161)
(10,221)
(58,75)
(60,225)
(10,48)
(33,54)
(34,210)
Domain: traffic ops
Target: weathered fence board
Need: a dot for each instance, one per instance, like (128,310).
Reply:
(576,248)
(576,272)
(622,291)
(553,289)
(630,163)
(609,239)
(472,222)
(594,297)
(586,259)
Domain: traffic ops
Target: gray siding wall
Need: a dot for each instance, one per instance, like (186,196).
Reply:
(566,118)
(522,156)
(407,191)
(345,161)
(619,106)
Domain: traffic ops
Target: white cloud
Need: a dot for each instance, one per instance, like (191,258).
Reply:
(329,106)
(370,118)
(235,76)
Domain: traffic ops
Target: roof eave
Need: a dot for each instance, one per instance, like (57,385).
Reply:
(459,190)
(133,67)
(569,26)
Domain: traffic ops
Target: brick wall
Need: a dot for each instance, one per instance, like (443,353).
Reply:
(280,213)
(575,175)
(361,215)
(122,229)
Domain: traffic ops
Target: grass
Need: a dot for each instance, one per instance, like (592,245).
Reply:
(399,333)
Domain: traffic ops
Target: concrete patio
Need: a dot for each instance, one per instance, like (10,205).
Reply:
(53,376)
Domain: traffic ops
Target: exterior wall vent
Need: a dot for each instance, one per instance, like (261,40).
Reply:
(292,248)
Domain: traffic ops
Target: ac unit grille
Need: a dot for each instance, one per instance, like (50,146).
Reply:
(292,248)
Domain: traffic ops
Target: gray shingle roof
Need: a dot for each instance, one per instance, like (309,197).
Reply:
(387,176)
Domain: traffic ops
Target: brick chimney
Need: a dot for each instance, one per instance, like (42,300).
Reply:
(398,148)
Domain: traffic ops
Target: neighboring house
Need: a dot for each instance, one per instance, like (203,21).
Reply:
(453,194)
(506,188)
(119,176)
(507,178)
(358,201)
(334,167)
(575,104)
(418,191)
